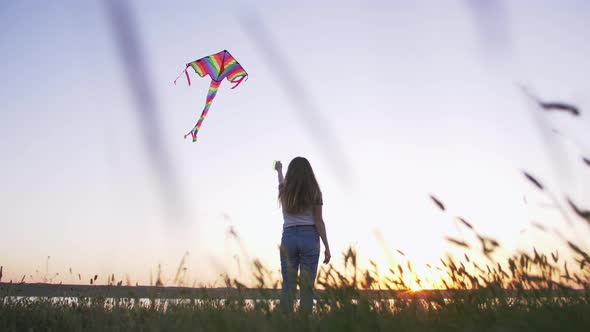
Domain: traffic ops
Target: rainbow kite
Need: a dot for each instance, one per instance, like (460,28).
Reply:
(218,66)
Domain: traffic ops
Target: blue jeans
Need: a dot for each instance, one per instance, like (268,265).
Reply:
(300,250)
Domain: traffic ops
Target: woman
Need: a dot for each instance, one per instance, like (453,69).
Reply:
(301,201)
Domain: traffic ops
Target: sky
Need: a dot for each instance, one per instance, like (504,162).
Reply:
(391,101)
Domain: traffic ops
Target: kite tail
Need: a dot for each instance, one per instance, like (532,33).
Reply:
(185,71)
(238,81)
(210,96)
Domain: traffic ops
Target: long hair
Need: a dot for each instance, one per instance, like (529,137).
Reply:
(300,189)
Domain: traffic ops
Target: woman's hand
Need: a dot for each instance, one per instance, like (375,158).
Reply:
(278,166)
(327,256)
(279,169)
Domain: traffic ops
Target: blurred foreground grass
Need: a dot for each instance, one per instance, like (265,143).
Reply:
(481,291)
(525,293)
(484,292)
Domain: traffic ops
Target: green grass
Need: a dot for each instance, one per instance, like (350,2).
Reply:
(527,294)
(457,315)
(518,292)
(523,292)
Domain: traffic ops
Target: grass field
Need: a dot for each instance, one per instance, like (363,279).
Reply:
(480,292)
(522,294)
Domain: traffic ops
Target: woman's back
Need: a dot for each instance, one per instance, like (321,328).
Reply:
(299,219)
(303,226)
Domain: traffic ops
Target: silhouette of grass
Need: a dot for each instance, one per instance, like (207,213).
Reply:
(518,292)
(521,293)
(478,289)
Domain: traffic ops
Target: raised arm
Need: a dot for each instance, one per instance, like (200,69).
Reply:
(321,227)
(279,169)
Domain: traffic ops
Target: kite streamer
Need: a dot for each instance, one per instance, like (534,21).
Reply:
(218,66)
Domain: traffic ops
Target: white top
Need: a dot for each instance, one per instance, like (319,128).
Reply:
(304,218)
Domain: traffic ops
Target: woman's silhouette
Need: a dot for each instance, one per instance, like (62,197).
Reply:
(303,226)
